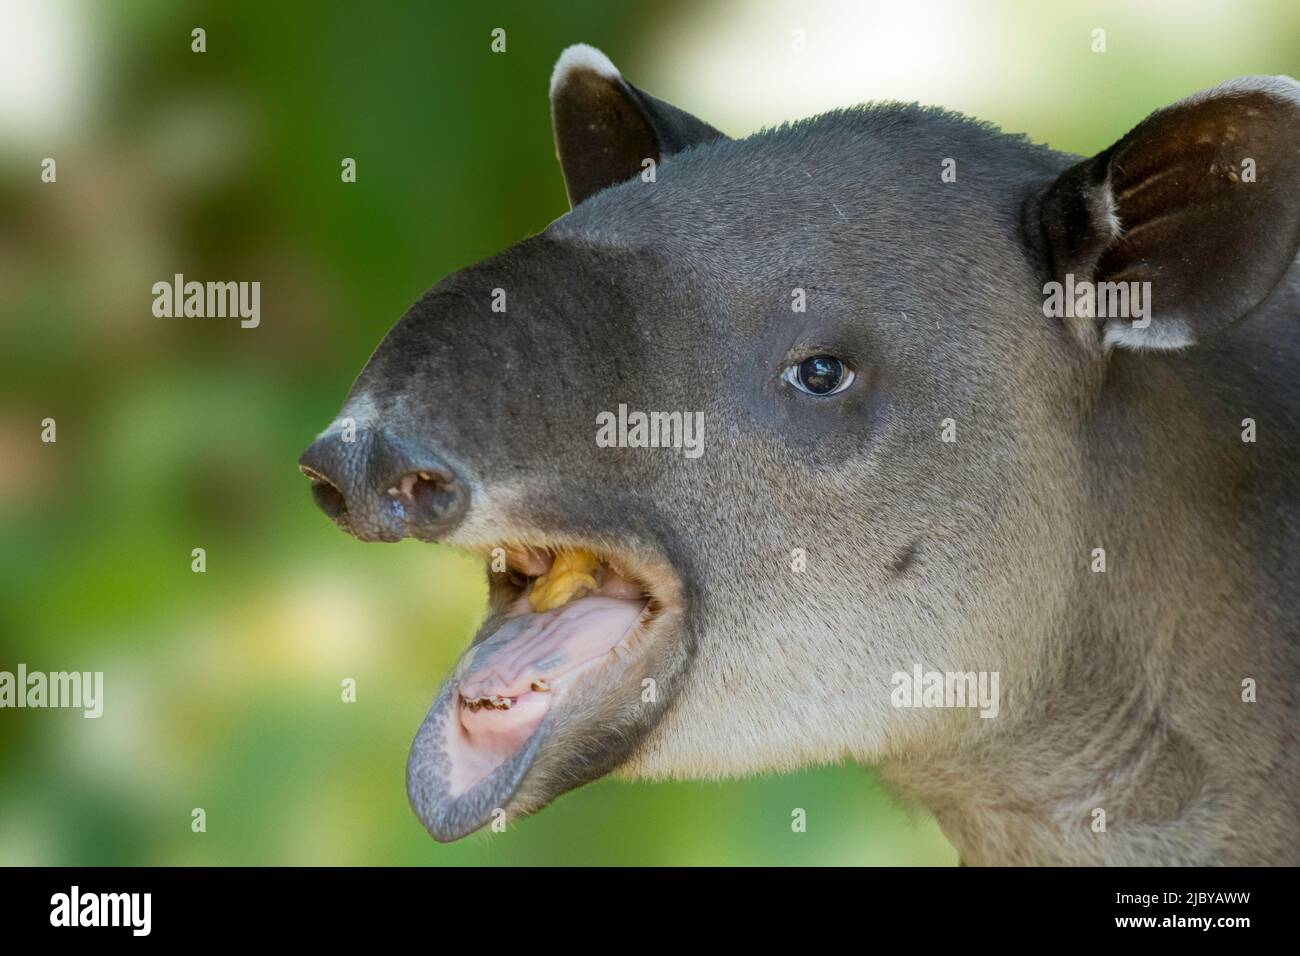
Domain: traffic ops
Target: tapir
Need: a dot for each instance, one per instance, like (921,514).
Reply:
(917,459)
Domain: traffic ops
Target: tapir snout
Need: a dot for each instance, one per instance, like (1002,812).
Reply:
(379,487)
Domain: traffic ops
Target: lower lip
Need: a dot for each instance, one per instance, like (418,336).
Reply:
(572,639)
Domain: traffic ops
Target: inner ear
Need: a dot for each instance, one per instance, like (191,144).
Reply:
(606,129)
(1198,204)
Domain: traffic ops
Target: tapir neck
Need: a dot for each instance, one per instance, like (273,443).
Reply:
(1131,753)
(1160,727)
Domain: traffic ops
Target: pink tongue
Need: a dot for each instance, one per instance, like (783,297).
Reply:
(544,646)
(525,649)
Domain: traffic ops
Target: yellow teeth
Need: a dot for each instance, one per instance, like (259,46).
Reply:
(572,571)
(491,703)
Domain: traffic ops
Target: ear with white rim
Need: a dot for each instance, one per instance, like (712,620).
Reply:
(1199,205)
(605,128)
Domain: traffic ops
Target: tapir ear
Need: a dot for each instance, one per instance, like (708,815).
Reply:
(1201,200)
(605,128)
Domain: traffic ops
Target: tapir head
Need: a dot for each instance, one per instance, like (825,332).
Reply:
(760,423)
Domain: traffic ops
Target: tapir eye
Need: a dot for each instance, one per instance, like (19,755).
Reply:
(820,375)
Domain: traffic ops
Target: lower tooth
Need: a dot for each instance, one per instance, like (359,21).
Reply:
(493,703)
(541,686)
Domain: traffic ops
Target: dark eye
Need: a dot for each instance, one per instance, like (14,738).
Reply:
(820,375)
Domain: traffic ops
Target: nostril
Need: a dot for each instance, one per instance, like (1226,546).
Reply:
(326,495)
(429,494)
(433,494)
(329,499)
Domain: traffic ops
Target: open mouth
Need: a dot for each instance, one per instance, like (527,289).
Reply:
(566,612)
(569,627)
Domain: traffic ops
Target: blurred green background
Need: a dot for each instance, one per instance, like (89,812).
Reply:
(223,688)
